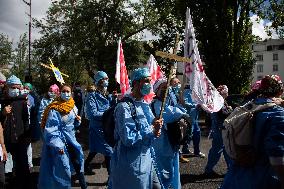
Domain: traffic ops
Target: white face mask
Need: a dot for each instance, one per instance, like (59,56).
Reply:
(24,92)
(14,92)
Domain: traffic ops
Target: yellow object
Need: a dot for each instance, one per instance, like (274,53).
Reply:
(183,160)
(63,107)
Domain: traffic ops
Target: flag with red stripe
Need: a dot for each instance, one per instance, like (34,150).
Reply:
(121,75)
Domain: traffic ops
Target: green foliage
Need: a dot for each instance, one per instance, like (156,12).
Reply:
(272,10)
(20,57)
(223,32)
(5,50)
(82,36)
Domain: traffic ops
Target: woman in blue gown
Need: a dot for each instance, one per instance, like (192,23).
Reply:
(60,149)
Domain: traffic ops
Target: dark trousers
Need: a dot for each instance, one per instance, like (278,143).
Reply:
(91,157)
(2,175)
(20,159)
(74,158)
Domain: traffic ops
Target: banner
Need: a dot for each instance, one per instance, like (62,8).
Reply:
(203,91)
(121,75)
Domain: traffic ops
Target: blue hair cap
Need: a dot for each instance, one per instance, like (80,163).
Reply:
(140,73)
(13,80)
(99,75)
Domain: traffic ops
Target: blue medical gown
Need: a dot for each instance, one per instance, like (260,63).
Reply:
(167,159)
(43,104)
(97,104)
(269,142)
(131,162)
(55,169)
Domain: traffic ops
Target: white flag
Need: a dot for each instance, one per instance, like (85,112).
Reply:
(203,91)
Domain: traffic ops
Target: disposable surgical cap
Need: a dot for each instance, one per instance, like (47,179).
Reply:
(140,73)
(99,75)
(13,80)
(28,85)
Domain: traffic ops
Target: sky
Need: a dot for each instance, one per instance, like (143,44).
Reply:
(14,20)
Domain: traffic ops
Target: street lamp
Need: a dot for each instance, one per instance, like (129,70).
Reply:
(29,78)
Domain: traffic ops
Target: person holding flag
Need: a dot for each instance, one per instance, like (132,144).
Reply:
(131,161)
(167,156)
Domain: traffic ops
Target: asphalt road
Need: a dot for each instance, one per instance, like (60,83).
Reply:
(191,173)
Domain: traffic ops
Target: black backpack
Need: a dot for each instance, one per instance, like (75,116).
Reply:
(108,120)
(177,131)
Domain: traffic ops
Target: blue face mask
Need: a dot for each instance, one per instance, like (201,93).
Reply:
(14,92)
(65,96)
(51,95)
(105,83)
(146,89)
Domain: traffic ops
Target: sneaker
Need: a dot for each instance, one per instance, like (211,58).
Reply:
(200,155)
(212,174)
(183,160)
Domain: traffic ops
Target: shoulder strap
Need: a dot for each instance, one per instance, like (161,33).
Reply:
(131,104)
(263,107)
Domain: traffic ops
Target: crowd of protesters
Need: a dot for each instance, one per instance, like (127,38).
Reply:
(143,156)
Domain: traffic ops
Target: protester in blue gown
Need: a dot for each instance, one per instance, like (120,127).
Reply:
(53,93)
(167,157)
(193,110)
(60,148)
(97,103)
(131,162)
(217,119)
(268,169)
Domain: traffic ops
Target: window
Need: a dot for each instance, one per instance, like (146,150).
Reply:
(272,47)
(259,57)
(275,56)
(259,77)
(259,68)
(275,68)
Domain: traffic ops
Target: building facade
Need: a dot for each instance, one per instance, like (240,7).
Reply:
(269,55)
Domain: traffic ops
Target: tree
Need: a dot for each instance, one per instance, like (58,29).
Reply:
(19,59)
(223,31)
(82,35)
(272,10)
(5,50)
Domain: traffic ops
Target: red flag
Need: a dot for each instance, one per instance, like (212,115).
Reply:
(156,73)
(121,75)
